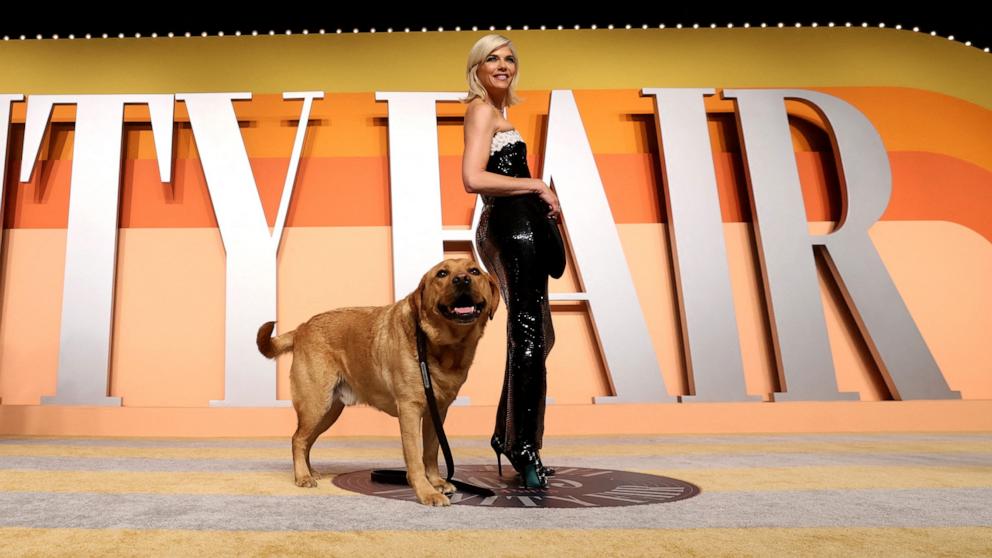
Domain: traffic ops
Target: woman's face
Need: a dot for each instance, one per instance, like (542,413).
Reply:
(497,70)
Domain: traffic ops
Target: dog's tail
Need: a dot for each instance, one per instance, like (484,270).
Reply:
(272,346)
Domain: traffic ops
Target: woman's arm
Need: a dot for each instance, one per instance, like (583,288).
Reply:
(480,121)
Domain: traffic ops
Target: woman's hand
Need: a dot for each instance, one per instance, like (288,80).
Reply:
(549,197)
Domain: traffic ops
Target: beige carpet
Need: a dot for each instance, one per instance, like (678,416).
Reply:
(762,495)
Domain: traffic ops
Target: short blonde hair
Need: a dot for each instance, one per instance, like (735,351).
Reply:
(483,48)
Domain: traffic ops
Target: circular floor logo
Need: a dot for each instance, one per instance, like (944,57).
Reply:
(570,487)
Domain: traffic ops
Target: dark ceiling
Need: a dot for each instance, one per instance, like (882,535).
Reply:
(964,23)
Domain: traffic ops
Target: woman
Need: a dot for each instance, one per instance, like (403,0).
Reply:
(509,239)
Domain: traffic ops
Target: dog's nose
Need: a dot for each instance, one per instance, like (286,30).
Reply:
(462,280)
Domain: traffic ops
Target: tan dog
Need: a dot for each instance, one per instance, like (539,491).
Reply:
(369,355)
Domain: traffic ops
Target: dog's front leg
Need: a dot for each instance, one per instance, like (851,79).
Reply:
(411,413)
(431,445)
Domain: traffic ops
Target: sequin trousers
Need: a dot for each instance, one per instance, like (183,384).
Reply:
(507,241)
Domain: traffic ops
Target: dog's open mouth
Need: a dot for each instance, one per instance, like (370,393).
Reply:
(462,310)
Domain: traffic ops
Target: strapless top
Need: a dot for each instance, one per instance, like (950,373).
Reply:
(503,138)
(507,156)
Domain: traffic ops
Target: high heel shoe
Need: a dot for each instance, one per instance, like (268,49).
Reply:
(548,471)
(498,448)
(530,478)
(528,464)
(497,445)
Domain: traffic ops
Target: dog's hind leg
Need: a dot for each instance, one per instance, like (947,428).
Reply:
(313,403)
(326,422)
(307,421)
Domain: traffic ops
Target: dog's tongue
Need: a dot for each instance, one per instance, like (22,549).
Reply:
(464,310)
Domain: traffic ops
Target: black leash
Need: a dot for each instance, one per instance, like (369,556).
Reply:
(398,476)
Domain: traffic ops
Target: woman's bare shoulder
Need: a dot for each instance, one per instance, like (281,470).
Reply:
(479,108)
(481,114)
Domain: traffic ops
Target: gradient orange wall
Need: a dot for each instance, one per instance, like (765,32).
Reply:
(921,93)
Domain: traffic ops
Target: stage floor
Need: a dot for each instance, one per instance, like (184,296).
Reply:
(827,494)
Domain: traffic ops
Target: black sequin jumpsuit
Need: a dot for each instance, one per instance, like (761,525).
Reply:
(507,239)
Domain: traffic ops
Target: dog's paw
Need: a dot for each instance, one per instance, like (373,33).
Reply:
(443,486)
(434,499)
(306,482)
(315,475)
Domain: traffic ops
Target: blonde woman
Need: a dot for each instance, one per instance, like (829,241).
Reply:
(513,243)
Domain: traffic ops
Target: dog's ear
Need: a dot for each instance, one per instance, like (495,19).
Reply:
(494,286)
(416,298)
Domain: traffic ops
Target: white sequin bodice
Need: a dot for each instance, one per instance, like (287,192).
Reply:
(504,138)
